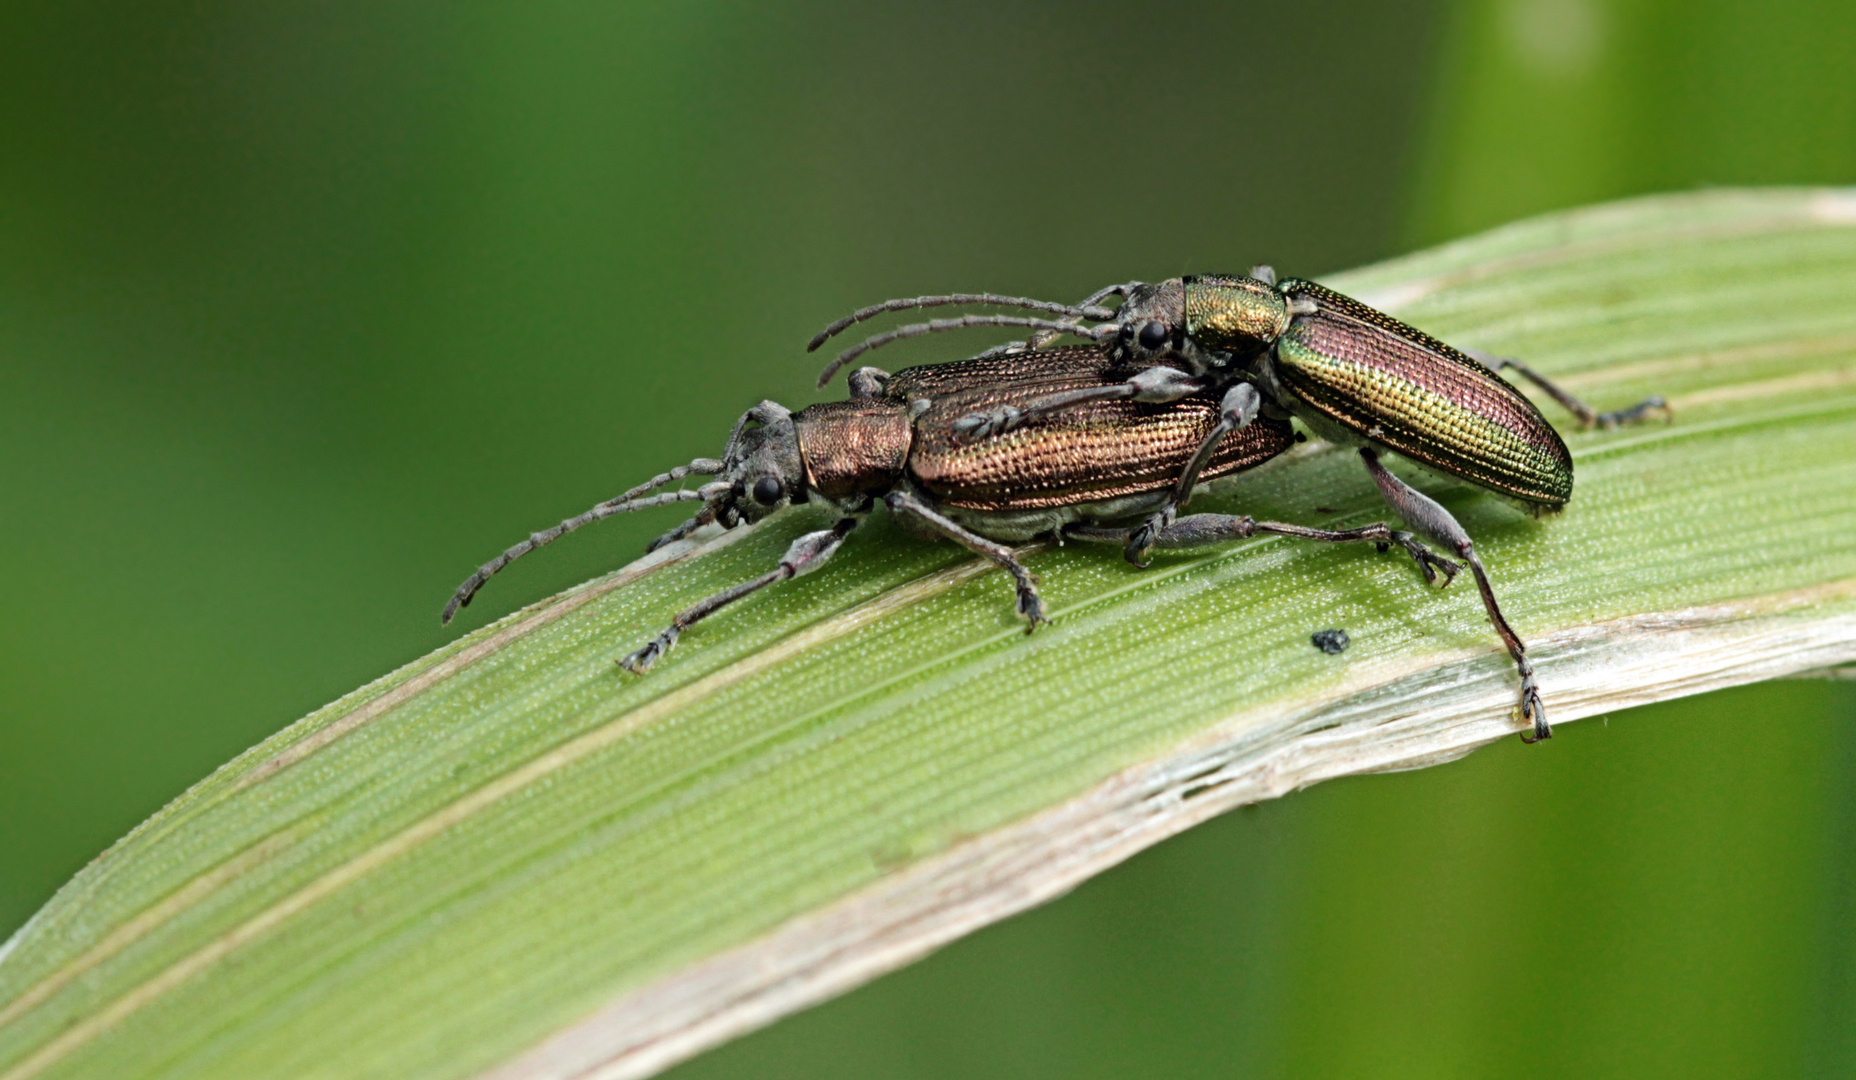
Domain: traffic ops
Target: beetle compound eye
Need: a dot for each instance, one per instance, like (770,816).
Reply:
(767,490)
(1153,335)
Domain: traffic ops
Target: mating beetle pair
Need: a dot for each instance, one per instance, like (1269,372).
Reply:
(1188,379)
(1353,375)
(1086,472)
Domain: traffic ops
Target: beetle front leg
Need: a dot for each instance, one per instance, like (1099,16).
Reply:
(1588,416)
(1157,385)
(1030,605)
(805,555)
(1424,514)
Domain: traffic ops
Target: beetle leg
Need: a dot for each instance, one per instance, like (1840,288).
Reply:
(868,382)
(1427,516)
(1235,413)
(1029,604)
(1238,409)
(1204,530)
(1094,299)
(804,556)
(1588,416)
(1157,384)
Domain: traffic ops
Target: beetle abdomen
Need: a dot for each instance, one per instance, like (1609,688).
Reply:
(1089,453)
(1409,392)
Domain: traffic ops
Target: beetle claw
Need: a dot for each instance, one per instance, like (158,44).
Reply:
(1533,710)
(640,662)
(1140,542)
(1031,606)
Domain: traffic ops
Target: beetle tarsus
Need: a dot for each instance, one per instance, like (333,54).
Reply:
(1533,711)
(1031,607)
(868,382)
(976,426)
(640,662)
(1157,385)
(1428,561)
(1141,538)
(1634,414)
(1587,416)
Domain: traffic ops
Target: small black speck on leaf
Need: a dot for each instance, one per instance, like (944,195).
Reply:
(1332,642)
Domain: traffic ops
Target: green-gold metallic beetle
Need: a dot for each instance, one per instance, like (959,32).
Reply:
(1354,375)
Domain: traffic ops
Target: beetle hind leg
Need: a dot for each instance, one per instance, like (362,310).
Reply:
(1588,416)
(1423,513)
(1204,530)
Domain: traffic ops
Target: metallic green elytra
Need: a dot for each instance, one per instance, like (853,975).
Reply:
(1399,387)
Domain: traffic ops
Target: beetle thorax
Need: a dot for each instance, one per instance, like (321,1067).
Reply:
(854,449)
(1236,318)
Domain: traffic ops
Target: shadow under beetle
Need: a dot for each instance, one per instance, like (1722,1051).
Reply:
(1353,375)
(1089,471)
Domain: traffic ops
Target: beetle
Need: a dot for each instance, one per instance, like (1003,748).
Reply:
(1354,375)
(1092,472)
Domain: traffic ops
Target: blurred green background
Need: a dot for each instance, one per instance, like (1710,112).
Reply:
(306,309)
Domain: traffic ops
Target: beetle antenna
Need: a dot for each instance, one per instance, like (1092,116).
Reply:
(702,466)
(935,326)
(705,516)
(623,504)
(1085,310)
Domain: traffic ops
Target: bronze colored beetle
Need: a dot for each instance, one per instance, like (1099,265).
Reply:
(1090,471)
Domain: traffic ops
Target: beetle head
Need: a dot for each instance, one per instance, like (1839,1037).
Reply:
(761,468)
(1212,322)
(760,471)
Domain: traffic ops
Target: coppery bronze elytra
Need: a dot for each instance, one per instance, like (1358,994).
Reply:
(1088,472)
(1354,375)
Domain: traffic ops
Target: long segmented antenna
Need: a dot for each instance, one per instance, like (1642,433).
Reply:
(702,466)
(620,505)
(1086,310)
(935,326)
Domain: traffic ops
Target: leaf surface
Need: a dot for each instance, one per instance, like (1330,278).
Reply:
(512,859)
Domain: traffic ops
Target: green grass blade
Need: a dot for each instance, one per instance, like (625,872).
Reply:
(510,859)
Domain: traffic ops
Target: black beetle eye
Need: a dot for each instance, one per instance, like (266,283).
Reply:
(1154,335)
(767,490)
